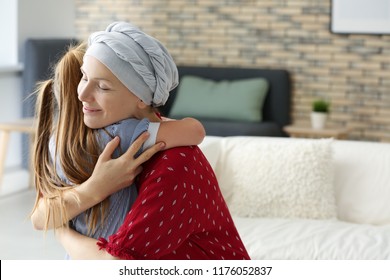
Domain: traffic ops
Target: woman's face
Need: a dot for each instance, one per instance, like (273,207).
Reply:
(105,99)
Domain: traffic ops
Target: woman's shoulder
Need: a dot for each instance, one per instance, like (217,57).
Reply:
(176,156)
(182,151)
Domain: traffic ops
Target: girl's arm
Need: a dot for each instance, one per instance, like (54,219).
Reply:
(109,176)
(184,132)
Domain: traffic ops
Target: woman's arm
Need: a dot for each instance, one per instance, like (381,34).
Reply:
(138,229)
(184,132)
(109,176)
(81,247)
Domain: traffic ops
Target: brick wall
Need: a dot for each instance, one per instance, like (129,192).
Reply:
(352,71)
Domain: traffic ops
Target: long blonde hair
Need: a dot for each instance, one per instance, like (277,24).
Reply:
(59,116)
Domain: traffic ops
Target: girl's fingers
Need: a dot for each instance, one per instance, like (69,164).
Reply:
(110,148)
(146,155)
(137,144)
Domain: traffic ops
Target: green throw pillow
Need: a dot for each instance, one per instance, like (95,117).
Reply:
(238,100)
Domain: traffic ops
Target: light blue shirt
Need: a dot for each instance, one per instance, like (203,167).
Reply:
(120,202)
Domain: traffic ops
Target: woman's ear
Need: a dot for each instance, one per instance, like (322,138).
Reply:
(141,104)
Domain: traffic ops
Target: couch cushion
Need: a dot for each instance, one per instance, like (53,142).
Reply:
(276,177)
(362,181)
(304,239)
(211,148)
(239,100)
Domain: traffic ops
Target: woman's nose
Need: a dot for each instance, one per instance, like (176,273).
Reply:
(84,92)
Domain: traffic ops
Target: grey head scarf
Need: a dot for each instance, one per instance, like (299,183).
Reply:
(138,60)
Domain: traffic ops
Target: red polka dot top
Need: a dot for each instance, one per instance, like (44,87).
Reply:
(179,213)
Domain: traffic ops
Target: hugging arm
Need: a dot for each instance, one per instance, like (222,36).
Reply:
(80,247)
(160,221)
(109,176)
(184,132)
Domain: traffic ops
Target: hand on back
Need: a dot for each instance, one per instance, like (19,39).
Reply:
(111,175)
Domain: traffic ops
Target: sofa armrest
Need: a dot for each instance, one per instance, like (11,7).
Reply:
(228,128)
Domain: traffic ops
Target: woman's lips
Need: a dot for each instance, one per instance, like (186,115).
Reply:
(87,110)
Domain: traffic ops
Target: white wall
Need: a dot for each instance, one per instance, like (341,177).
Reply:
(8,27)
(45,19)
(19,20)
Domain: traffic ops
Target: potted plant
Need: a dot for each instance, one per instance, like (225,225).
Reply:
(319,114)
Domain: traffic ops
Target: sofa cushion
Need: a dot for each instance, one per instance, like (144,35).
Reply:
(211,148)
(362,181)
(238,100)
(305,239)
(276,177)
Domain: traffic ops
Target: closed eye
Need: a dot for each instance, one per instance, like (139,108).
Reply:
(103,86)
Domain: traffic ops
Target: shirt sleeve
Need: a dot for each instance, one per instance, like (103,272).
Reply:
(153,130)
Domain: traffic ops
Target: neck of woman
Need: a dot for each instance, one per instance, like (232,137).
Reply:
(152,115)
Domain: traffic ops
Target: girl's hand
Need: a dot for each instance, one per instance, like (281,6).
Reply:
(111,175)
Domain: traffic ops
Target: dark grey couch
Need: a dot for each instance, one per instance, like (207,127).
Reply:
(40,55)
(276,108)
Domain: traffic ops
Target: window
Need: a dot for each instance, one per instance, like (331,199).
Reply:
(361,16)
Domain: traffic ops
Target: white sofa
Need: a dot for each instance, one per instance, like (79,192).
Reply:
(304,198)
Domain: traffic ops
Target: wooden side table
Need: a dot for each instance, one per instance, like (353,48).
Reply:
(23,126)
(308,132)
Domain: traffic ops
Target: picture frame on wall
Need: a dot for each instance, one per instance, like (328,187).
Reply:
(360,16)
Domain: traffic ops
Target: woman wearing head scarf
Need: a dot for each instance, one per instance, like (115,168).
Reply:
(179,212)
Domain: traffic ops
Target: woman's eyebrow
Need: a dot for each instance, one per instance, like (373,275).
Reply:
(95,78)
